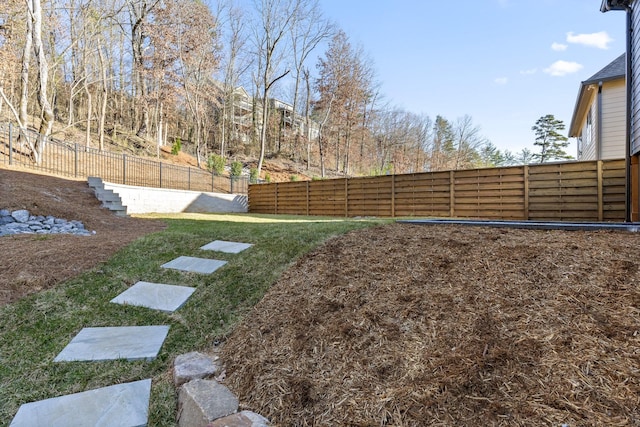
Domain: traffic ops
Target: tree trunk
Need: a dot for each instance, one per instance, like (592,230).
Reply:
(43,76)
(103,105)
(87,135)
(24,72)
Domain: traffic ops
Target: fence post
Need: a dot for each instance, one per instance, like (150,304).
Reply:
(525,173)
(160,174)
(189,179)
(212,187)
(393,196)
(276,201)
(308,198)
(600,192)
(346,197)
(10,144)
(75,159)
(452,194)
(124,169)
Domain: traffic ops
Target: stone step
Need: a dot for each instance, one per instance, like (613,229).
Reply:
(95,182)
(109,198)
(108,195)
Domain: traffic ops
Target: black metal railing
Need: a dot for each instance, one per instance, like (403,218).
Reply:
(79,161)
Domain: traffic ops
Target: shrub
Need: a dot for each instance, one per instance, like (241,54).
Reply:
(267,177)
(294,178)
(176,146)
(236,168)
(215,163)
(253,175)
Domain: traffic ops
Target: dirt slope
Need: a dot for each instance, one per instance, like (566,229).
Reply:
(31,263)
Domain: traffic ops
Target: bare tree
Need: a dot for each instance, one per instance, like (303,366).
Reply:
(184,41)
(24,72)
(308,30)
(347,78)
(275,19)
(234,67)
(139,11)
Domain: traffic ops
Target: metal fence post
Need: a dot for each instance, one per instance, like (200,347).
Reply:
(75,160)
(10,144)
(124,169)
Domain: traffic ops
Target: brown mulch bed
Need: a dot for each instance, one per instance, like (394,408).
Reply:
(412,325)
(31,263)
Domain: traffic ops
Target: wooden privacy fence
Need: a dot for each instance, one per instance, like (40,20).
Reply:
(576,191)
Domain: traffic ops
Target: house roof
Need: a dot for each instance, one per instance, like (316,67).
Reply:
(615,70)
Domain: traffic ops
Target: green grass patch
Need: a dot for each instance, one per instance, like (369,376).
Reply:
(35,329)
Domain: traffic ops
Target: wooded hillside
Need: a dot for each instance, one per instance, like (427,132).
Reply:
(271,78)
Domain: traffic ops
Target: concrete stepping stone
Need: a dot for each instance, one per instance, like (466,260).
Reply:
(195,265)
(122,405)
(227,247)
(111,343)
(156,296)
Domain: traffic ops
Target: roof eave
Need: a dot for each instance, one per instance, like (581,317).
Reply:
(608,5)
(574,127)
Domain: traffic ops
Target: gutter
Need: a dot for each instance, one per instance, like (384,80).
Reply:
(627,149)
(599,133)
(625,5)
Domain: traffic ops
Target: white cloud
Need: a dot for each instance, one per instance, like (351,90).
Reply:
(599,40)
(559,47)
(501,80)
(562,68)
(529,72)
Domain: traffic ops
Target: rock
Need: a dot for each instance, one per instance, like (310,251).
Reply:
(20,222)
(241,419)
(192,366)
(203,401)
(6,219)
(21,215)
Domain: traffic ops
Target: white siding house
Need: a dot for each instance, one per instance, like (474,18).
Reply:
(599,117)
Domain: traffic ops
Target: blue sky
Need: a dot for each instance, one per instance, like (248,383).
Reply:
(503,62)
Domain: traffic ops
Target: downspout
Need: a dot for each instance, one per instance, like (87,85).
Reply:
(629,78)
(599,121)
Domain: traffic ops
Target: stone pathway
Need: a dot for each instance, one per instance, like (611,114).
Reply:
(112,343)
(227,247)
(122,405)
(156,296)
(126,405)
(195,265)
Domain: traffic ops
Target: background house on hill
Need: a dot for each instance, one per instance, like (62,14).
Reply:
(599,116)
